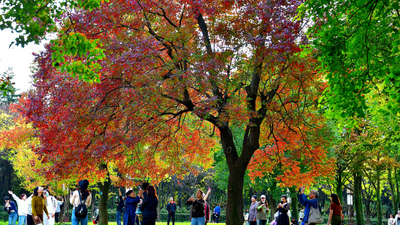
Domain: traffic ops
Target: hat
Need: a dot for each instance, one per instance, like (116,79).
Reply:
(254,196)
(262,196)
(83,184)
(6,198)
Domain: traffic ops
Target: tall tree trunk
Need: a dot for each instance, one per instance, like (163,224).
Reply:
(234,208)
(392,190)
(378,196)
(368,212)
(397,188)
(358,198)
(105,189)
(274,204)
(294,204)
(339,185)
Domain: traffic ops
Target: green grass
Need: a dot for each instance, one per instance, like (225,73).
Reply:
(114,223)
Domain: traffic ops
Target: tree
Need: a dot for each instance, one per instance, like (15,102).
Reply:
(173,72)
(359,45)
(7,88)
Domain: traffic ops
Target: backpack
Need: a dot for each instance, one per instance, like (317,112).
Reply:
(81,209)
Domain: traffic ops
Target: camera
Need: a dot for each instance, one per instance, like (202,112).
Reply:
(281,202)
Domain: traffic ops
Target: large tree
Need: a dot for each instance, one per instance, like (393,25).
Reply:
(173,74)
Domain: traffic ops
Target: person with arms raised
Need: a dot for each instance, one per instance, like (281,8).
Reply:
(131,203)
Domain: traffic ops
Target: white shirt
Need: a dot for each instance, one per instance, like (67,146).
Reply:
(391,221)
(75,199)
(59,203)
(397,219)
(51,204)
(22,205)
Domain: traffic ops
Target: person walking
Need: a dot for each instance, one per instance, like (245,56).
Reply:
(198,207)
(253,211)
(283,209)
(171,208)
(38,206)
(217,213)
(22,203)
(51,205)
(12,211)
(262,210)
(131,203)
(60,202)
(335,214)
(120,207)
(149,207)
(312,201)
(391,220)
(80,195)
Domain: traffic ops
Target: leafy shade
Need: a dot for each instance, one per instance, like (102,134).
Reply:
(359,44)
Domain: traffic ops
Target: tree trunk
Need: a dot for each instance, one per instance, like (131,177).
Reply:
(234,208)
(105,189)
(339,185)
(397,188)
(294,211)
(367,212)
(358,198)
(378,196)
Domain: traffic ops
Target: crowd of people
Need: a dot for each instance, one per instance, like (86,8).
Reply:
(141,208)
(258,212)
(31,210)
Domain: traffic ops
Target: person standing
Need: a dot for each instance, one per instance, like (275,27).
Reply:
(198,207)
(283,209)
(397,218)
(335,214)
(312,201)
(253,211)
(262,209)
(12,211)
(131,203)
(171,208)
(39,206)
(60,202)
(51,205)
(149,207)
(29,217)
(81,195)
(22,203)
(120,207)
(391,220)
(217,213)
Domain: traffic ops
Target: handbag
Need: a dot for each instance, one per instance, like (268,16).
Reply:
(314,217)
(38,221)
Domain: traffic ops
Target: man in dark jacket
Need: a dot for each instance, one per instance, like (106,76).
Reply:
(171,207)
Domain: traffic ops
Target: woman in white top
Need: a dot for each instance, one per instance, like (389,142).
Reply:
(22,203)
(51,204)
(391,220)
(84,195)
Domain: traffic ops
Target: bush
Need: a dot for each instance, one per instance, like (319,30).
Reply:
(3,216)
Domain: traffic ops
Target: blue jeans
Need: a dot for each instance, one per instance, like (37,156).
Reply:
(22,220)
(12,218)
(119,214)
(198,220)
(75,220)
